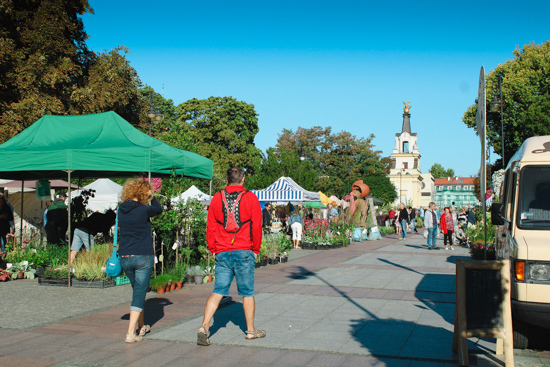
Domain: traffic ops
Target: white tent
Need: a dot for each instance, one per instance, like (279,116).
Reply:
(106,195)
(286,189)
(193,193)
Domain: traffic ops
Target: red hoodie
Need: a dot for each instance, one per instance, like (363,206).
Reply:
(219,240)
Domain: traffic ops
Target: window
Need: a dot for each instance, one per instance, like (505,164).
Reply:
(449,188)
(405,147)
(534,198)
(458,188)
(472,187)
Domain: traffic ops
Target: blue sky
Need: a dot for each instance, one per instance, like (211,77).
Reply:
(345,64)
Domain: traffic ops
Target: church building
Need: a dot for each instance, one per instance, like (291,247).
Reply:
(413,187)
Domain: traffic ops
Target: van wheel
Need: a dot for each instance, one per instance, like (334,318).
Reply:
(522,333)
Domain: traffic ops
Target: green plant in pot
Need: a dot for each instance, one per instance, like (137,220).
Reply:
(21,270)
(89,265)
(199,274)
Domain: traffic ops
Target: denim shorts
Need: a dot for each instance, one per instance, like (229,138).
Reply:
(138,269)
(82,238)
(238,264)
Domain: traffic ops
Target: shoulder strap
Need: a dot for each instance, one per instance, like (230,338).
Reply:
(116,230)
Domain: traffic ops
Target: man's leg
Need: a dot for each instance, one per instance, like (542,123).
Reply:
(210,309)
(249,306)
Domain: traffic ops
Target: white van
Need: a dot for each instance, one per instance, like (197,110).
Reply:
(522,235)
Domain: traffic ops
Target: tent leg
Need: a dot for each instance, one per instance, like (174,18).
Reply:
(21,216)
(69,228)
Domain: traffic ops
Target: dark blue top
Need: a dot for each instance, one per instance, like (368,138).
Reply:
(135,227)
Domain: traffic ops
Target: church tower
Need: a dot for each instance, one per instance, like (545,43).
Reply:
(405,170)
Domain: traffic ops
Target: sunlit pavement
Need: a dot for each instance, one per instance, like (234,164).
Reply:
(383,303)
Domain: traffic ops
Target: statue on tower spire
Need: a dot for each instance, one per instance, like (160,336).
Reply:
(407,107)
(406,118)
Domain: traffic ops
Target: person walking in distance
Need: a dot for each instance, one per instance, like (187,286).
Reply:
(402,219)
(430,223)
(234,236)
(447,227)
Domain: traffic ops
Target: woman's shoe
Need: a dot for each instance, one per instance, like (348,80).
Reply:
(144,330)
(133,338)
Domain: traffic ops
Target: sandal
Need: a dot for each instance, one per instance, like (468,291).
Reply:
(202,337)
(255,334)
(133,338)
(144,330)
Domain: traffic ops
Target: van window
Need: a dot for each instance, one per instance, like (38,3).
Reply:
(534,198)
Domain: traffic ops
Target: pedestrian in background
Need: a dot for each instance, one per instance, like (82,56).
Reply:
(6,215)
(296,224)
(58,219)
(136,248)
(447,227)
(430,223)
(403,219)
(412,219)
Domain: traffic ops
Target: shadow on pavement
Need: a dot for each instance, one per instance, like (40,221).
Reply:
(154,310)
(232,312)
(388,337)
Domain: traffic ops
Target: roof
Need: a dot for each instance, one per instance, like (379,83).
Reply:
(534,149)
(97,145)
(286,189)
(454,181)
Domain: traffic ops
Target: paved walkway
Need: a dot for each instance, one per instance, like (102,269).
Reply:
(383,303)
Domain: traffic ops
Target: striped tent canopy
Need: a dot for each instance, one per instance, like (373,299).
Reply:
(286,189)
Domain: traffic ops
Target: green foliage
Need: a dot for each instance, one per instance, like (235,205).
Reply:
(381,188)
(46,68)
(438,171)
(224,130)
(89,265)
(43,60)
(335,160)
(526,99)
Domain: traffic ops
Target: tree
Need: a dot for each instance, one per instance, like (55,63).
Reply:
(43,58)
(381,188)
(526,99)
(438,171)
(338,158)
(112,85)
(224,130)
(275,165)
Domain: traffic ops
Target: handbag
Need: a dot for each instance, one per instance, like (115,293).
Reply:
(112,266)
(425,233)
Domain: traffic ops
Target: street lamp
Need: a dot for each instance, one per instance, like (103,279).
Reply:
(303,157)
(153,115)
(497,104)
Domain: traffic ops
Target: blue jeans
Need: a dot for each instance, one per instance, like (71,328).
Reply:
(403,229)
(138,269)
(413,225)
(239,264)
(432,236)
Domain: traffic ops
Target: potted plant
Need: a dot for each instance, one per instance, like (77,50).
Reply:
(21,270)
(198,274)
(209,271)
(478,251)
(179,284)
(263,254)
(190,274)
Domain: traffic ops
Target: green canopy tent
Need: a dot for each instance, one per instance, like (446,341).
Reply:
(97,145)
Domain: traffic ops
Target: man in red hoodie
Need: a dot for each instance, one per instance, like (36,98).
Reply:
(235,252)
